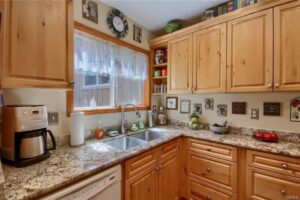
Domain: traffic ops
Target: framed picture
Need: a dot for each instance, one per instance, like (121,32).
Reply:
(185,106)
(295,109)
(209,103)
(137,33)
(222,110)
(239,108)
(272,109)
(90,10)
(198,108)
(172,103)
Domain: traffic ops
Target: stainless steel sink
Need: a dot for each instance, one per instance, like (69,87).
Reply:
(125,143)
(148,135)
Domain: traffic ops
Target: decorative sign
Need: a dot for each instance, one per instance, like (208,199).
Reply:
(295,109)
(239,108)
(209,103)
(222,110)
(90,10)
(272,109)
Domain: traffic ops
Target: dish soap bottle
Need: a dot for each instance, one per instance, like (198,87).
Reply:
(99,133)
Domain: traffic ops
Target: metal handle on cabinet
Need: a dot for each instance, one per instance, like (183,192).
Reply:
(285,166)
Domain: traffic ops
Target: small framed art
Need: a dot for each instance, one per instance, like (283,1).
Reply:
(172,103)
(185,106)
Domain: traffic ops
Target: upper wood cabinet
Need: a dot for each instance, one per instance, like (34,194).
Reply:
(250,53)
(180,64)
(38,43)
(287,47)
(209,55)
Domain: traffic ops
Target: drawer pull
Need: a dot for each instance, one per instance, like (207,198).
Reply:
(209,149)
(285,166)
(157,168)
(283,192)
(208,169)
(208,198)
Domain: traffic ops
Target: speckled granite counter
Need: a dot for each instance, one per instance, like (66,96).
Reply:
(67,164)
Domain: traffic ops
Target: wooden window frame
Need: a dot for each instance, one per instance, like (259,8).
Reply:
(104,36)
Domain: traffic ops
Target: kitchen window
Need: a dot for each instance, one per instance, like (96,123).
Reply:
(107,75)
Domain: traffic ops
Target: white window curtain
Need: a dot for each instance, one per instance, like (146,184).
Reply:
(127,69)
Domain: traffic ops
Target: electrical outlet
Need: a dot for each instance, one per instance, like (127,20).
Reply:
(53,118)
(254,113)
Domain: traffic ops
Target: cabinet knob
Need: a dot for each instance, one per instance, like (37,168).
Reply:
(283,192)
(276,85)
(157,168)
(208,169)
(270,85)
(72,83)
(285,166)
(209,149)
(208,198)
(160,166)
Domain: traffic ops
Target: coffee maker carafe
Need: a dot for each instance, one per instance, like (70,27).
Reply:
(24,135)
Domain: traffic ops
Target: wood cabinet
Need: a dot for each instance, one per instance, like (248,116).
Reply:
(272,176)
(38,42)
(250,53)
(209,56)
(211,164)
(180,64)
(287,47)
(153,174)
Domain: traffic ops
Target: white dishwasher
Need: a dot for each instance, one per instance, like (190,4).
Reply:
(103,186)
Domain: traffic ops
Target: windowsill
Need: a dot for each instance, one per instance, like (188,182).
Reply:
(89,111)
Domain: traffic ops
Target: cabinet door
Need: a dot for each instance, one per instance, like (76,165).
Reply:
(141,187)
(250,53)
(39,43)
(180,65)
(168,172)
(287,47)
(209,69)
(264,185)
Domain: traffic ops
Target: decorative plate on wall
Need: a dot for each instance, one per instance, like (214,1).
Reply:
(117,23)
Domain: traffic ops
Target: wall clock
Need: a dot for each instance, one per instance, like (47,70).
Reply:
(117,23)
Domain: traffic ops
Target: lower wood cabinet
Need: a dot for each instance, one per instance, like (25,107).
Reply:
(265,185)
(203,191)
(153,174)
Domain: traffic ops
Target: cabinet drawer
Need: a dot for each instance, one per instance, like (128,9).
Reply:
(213,171)
(274,163)
(264,185)
(168,150)
(140,163)
(200,191)
(213,149)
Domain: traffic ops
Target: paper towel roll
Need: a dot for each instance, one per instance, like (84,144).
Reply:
(77,128)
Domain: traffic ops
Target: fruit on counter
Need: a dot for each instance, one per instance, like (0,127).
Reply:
(195,126)
(194,121)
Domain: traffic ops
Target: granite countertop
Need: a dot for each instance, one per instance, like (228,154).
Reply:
(1,183)
(67,164)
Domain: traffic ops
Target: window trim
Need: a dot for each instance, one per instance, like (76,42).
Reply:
(104,36)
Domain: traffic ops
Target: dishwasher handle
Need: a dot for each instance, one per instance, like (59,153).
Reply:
(89,187)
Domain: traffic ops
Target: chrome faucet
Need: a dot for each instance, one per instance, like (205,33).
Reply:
(123,115)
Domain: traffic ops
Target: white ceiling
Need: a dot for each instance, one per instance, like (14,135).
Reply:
(154,14)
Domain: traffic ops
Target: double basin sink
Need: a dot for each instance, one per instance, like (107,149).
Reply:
(135,140)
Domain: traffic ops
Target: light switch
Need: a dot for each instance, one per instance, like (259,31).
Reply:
(53,118)
(254,113)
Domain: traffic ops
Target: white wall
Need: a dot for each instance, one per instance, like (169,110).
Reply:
(55,99)
(253,101)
